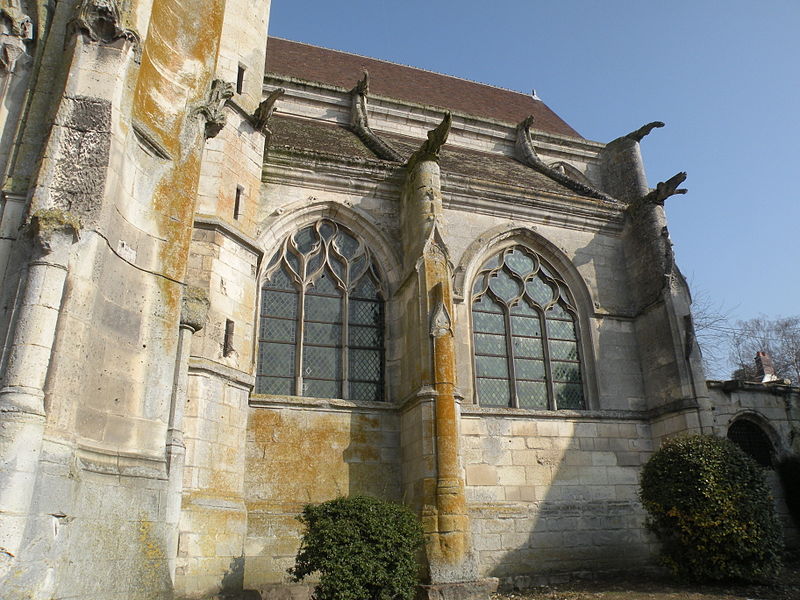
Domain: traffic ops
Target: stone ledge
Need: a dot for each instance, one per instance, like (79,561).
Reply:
(473,410)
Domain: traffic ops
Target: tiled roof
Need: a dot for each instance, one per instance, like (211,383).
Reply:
(318,136)
(311,63)
(481,165)
(329,138)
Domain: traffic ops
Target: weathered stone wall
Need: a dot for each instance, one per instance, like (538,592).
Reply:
(302,451)
(112,140)
(554,494)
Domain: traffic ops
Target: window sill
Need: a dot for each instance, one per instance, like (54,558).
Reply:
(332,404)
(472,410)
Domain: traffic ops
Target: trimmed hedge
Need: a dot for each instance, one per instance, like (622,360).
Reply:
(710,508)
(363,548)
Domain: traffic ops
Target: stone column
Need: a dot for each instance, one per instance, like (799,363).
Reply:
(22,411)
(194,312)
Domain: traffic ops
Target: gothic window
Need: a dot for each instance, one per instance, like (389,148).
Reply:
(526,337)
(752,439)
(321,318)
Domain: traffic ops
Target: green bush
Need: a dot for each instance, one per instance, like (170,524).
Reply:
(710,508)
(789,472)
(362,547)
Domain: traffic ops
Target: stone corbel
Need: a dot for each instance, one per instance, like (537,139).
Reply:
(194,308)
(264,111)
(359,123)
(526,154)
(51,229)
(212,109)
(101,21)
(436,139)
(665,189)
(16,29)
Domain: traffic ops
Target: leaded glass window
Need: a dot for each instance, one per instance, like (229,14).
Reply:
(321,318)
(525,335)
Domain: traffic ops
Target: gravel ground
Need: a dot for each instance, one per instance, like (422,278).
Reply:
(787,587)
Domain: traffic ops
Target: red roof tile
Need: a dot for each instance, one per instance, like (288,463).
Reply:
(333,67)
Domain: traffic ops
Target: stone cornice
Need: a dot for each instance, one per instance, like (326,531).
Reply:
(213,223)
(200,364)
(538,207)
(327,172)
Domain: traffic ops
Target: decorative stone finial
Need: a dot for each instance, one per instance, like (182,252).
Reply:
(211,109)
(440,321)
(265,109)
(526,154)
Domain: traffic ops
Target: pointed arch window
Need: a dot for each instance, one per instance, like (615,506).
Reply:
(321,318)
(525,335)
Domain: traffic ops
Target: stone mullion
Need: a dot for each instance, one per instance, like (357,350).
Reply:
(298,348)
(548,374)
(345,351)
(512,372)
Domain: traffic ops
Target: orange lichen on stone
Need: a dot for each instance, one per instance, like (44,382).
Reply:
(313,456)
(178,59)
(444,514)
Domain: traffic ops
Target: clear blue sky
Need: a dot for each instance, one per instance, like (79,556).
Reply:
(723,75)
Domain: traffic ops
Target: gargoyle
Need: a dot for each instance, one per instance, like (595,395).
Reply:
(359,123)
(265,109)
(362,87)
(527,155)
(436,139)
(665,189)
(211,109)
(640,133)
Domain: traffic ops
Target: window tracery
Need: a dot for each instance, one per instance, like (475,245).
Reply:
(321,318)
(525,335)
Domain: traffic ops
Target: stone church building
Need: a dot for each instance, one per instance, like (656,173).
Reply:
(241,275)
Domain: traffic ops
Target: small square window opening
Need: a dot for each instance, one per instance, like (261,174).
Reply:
(238,203)
(240,79)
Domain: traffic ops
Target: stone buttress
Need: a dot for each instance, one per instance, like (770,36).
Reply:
(104,142)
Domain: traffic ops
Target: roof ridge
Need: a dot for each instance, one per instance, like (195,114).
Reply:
(389,62)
